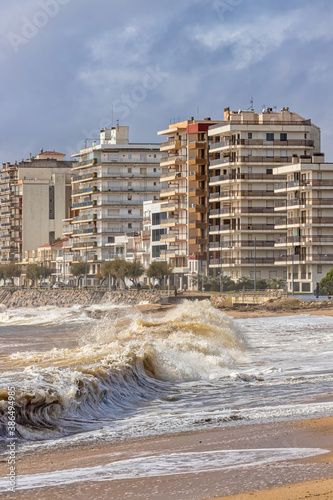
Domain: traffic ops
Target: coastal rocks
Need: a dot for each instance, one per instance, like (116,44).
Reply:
(69,298)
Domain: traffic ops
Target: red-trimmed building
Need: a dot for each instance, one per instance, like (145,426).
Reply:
(187,196)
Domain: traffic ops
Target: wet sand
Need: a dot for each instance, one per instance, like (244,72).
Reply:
(199,485)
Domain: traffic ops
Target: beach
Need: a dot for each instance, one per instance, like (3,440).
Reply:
(247,477)
(205,436)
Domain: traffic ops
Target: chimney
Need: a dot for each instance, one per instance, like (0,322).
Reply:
(226,116)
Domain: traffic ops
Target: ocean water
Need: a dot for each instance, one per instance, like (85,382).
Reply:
(132,375)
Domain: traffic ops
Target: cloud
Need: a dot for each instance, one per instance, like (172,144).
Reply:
(251,42)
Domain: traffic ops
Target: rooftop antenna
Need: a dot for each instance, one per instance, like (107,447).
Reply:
(117,123)
(251,108)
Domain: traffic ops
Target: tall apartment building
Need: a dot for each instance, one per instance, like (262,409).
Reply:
(187,196)
(111,181)
(35,196)
(307,248)
(243,151)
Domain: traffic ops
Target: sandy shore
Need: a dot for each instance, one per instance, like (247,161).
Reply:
(294,474)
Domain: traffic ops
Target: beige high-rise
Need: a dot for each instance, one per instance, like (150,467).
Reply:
(243,151)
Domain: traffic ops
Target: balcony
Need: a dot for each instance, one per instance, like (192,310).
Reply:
(246,177)
(86,190)
(242,261)
(83,178)
(85,204)
(169,145)
(84,218)
(85,244)
(197,192)
(243,227)
(79,232)
(172,160)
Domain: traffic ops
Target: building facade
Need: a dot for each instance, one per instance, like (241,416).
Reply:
(111,181)
(307,248)
(186,196)
(243,151)
(35,197)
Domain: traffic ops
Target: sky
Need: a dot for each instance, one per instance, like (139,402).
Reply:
(71,67)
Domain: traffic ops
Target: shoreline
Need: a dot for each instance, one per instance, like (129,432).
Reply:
(294,474)
(288,479)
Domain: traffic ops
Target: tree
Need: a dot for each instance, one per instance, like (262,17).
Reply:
(326,284)
(78,269)
(12,271)
(133,271)
(116,268)
(245,282)
(276,283)
(35,271)
(159,270)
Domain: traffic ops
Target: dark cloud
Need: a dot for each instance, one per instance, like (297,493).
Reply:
(155,61)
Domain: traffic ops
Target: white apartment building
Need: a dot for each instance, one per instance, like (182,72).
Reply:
(243,151)
(155,231)
(111,181)
(35,197)
(307,248)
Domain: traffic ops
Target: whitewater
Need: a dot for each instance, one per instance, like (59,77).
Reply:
(132,374)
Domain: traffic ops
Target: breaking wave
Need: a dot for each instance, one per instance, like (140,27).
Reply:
(125,362)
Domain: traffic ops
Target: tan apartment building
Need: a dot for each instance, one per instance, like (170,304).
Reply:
(35,197)
(187,197)
(243,151)
(307,248)
(111,181)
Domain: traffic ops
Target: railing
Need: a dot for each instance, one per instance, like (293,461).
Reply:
(92,230)
(83,204)
(84,190)
(85,217)
(262,142)
(306,258)
(77,178)
(242,261)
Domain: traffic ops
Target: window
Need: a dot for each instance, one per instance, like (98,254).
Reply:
(155,170)
(110,239)
(319,269)
(249,169)
(154,183)
(155,219)
(249,135)
(143,171)
(269,136)
(269,153)
(129,157)
(283,137)
(283,153)
(129,225)
(269,171)
(129,212)
(249,153)
(129,170)
(129,196)
(156,234)
(155,156)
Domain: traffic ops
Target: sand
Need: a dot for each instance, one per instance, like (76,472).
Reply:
(315,433)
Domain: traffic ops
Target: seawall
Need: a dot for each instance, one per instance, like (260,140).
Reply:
(68,298)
